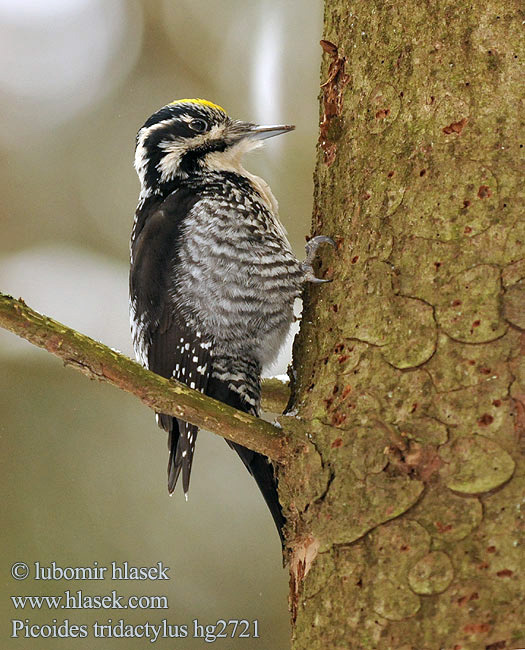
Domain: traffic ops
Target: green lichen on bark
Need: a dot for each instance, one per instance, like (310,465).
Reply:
(432,574)
(410,376)
(475,464)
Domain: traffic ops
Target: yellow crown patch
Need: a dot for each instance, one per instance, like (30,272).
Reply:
(202,102)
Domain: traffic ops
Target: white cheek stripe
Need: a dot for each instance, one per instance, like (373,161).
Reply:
(168,166)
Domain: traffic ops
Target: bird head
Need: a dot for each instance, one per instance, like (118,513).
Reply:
(192,136)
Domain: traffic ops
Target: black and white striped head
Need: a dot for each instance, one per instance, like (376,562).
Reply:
(190,136)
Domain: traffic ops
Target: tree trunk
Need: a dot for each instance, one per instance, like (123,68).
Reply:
(405,501)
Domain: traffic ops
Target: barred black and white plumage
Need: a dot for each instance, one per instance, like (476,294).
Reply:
(213,278)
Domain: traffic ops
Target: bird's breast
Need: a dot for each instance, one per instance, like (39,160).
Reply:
(238,279)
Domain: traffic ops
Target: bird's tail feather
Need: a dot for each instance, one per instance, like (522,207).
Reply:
(262,471)
(236,381)
(181,445)
(182,438)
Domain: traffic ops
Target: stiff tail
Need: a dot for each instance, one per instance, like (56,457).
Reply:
(234,382)
(181,445)
(262,471)
(237,383)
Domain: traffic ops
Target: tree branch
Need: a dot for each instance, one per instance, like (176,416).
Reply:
(97,361)
(275,395)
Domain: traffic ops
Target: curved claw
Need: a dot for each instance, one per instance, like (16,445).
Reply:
(318,240)
(311,250)
(314,280)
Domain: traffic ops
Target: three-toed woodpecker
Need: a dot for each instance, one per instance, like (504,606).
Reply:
(213,278)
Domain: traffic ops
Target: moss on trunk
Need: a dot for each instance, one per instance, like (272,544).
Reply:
(405,502)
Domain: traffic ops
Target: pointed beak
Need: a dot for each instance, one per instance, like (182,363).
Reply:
(257,132)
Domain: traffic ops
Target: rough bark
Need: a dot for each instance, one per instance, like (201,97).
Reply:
(405,507)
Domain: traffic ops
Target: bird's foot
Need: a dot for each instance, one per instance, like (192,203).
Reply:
(311,251)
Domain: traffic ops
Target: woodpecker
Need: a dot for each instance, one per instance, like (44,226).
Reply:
(213,278)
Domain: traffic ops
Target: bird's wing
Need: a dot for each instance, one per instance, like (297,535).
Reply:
(178,351)
(163,338)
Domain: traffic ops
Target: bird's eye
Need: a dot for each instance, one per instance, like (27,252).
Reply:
(200,126)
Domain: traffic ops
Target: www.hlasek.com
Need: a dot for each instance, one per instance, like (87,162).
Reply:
(23,628)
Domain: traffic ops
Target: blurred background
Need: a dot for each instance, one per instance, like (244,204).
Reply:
(84,465)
